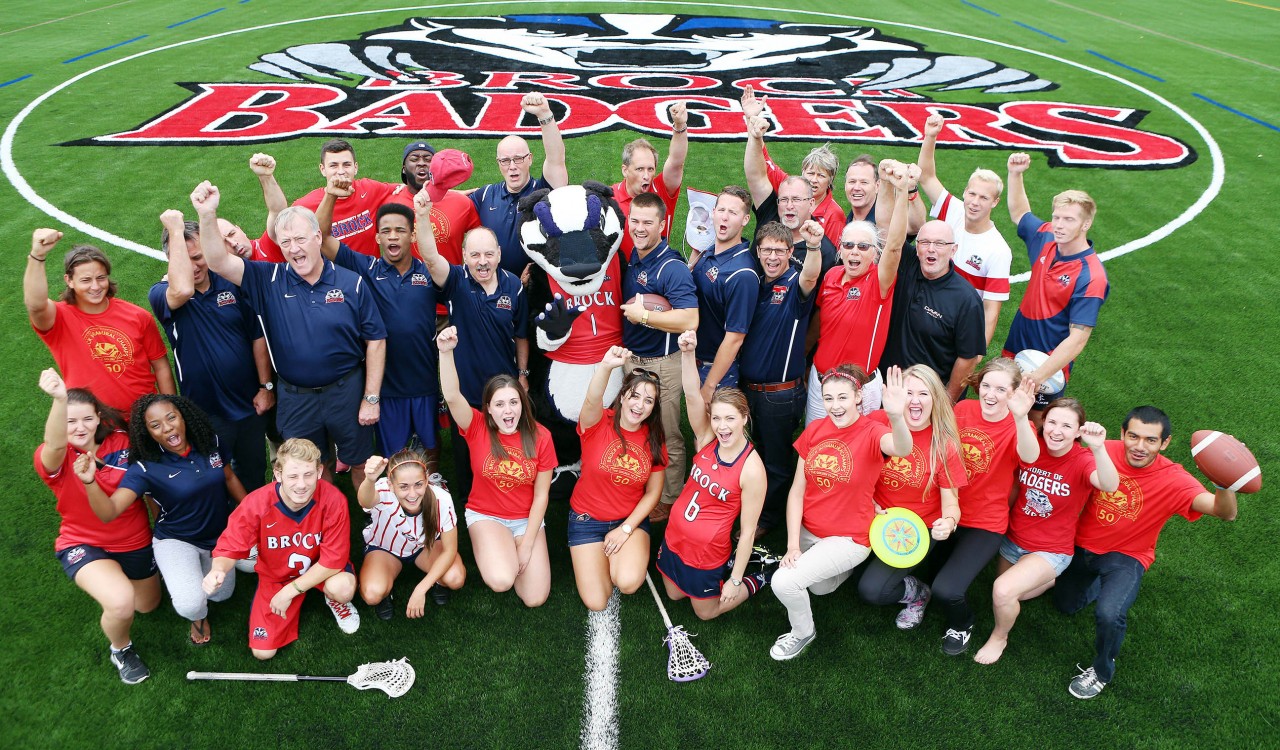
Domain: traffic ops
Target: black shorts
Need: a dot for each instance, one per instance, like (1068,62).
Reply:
(138,564)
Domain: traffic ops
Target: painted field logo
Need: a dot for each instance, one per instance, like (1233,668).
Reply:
(464,77)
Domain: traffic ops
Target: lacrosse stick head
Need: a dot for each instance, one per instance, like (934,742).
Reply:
(391,677)
(684,662)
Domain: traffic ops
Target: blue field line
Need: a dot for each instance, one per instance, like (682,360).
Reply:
(104,49)
(1234,111)
(195,18)
(1126,67)
(1039,31)
(979,7)
(16,80)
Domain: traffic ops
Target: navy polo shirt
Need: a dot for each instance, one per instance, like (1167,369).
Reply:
(407,305)
(773,351)
(212,338)
(191,491)
(727,285)
(934,322)
(488,325)
(316,333)
(497,209)
(663,271)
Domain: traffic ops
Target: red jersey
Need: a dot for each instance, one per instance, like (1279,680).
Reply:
(827,212)
(613,477)
(289,542)
(990,453)
(855,320)
(669,198)
(1051,493)
(600,326)
(701,524)
(265,249)
(355,217)
(1130,519)
(129,531)
(841,467)
(110,352)
(503,487)
(905,481)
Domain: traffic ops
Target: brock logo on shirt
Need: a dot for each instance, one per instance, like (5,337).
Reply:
(853,293)
(504,303)
(974,261)
(779,294)
(334,295)
(215,460)
(418,279)
(642,279)
(1065,279)
(713,272)
(226,298)
(260,634)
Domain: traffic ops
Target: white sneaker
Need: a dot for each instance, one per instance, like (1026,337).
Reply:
(346,615)
(789,646)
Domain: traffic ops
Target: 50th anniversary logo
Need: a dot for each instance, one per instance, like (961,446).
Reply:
(463,77)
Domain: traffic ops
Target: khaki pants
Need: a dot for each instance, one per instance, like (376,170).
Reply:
(668,371)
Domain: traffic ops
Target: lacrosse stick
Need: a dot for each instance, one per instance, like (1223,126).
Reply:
(684,662)
(391,677)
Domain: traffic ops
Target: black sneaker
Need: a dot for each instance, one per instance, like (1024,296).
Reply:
(130,666)
(439,594)
(956,642)
(384,609)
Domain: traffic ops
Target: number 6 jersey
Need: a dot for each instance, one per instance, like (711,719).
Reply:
(701,524)
(289,542)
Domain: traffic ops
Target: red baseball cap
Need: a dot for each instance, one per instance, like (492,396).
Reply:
(449,169)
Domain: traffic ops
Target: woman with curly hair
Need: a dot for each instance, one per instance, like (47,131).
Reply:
(174,456)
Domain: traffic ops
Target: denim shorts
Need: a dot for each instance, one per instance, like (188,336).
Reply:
(517,527)
(1013,553)
(583,529)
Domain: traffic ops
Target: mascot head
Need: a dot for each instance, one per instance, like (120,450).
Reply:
(572,233)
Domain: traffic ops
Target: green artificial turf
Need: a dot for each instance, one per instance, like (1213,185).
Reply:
(1190,326)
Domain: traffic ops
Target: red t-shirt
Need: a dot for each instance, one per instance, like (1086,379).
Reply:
(613,480)
(669,198)
(129,531)
(110,352)
(289,543)
(355,217)
(1051,493)
(841,467)
(701,524)
(599,327)
(266,249)
(990,452)
(1130,519)
(826,211)
(503,487)
(904,482)
(855,320)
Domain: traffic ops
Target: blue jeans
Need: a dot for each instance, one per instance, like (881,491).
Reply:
(1112,580)
(774,419)
(730,379)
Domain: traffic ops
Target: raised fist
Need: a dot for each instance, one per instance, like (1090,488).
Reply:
(263,165)
(43,240)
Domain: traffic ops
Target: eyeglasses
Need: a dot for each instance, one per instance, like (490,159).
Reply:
(863,246)
(774,250)
(788,200)
(940,244)
(507,161)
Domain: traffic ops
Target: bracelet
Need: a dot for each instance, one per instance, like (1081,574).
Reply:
(295,588)
(546,120)
(679,130)
(912,195)
(33,257)
(811,247)
(522,373)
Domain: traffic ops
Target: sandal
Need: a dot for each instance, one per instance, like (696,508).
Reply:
(200,632)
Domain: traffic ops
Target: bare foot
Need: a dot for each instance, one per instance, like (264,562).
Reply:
(991,650)
(200,632)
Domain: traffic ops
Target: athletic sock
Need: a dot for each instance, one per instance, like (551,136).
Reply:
(756,581)
(127,646)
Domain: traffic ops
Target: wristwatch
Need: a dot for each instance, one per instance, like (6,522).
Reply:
(267,386)
(626,529)
(736,581)
(371,399)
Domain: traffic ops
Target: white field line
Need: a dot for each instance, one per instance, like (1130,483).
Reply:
(600,693)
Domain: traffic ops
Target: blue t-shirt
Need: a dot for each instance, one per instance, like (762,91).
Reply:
(191,491)
(212,339)
(488,325)
(663,271)
(496,207)
(773,351)
(316,333)
(407,305)
(727,285)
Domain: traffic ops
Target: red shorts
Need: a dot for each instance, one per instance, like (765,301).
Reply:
(267,630)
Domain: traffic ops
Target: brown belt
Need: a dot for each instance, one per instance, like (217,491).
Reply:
(772,387)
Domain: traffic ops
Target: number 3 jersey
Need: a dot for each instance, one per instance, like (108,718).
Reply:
(289,542)
(701,524)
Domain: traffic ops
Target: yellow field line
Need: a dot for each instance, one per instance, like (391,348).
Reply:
(1253,5)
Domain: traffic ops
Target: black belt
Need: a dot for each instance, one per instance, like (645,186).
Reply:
(291,388)
(772,387)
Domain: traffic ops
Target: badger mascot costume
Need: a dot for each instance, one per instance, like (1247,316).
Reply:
(572,235)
